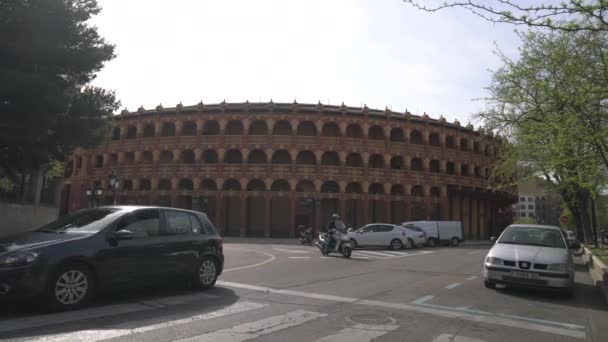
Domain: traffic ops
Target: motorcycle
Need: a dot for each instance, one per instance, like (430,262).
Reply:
(305,236)
(340,243)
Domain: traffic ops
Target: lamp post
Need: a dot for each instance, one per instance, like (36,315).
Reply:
(114,181)
(93,195)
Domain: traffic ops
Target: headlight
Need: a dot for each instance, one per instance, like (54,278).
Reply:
(494,261)
(19,258)
(558,267)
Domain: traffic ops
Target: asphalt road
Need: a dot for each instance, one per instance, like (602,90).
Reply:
(291,293)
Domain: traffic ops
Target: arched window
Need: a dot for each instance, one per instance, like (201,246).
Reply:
(435,166)
(450,168)
(127,185)
(116,133)
(306,158)
(188,157)
(464,170)
(434,139)
(376,161)
(211,128)
(376,189)
(185,184)
(232,185)
(234,127)
(435,192)
(417,191)
(354,188)
(397,135)
(281,157)
(305,186)
(476,147)
(416,164)
(397,163)
(258,127)
(464,144)
(257,157)
(449,142)
(145,185)
(307,128)
(164,184)
(149,130)
(397,190)
(147,156)
(376,133)
(330,158)
(477,171)
(189,128)
(330,186)
(282,127)
(113,159)
(168,129)
(208,185)
(354,160)
(489,152)
(416,137)
(131,132)
(330,129)
(99,161)
(210,157)
(166,156)
(280,185)
(233,157)
(256,185)
(354,131)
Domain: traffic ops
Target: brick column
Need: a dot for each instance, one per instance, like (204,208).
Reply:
(267,214)
(292,207)
(243,228)
(219,207)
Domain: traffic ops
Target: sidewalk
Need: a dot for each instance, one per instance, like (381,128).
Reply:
(294,241)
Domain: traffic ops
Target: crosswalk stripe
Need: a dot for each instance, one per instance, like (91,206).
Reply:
(367,255)
(396,253)
(104,334)
(359,333)
(377,253)
(251,330)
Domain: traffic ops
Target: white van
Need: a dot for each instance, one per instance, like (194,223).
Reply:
(440,232)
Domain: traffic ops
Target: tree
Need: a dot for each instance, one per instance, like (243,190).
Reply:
(570,15)
(550,103)
(49,53)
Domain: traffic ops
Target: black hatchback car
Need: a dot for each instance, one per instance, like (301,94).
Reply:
(68,260)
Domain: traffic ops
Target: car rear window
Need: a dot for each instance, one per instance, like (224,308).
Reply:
(208,227)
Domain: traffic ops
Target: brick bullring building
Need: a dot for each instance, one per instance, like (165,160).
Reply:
(261,169)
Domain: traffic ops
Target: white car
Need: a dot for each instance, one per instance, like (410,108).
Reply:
(531,255)
(384,235)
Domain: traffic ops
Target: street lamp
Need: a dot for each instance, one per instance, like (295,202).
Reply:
(93,195)
(114,181)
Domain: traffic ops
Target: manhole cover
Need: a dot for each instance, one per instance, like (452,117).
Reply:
(370,318)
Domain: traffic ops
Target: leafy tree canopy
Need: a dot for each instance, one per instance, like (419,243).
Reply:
(49,53)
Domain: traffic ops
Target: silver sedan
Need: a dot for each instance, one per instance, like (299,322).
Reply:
(531,255)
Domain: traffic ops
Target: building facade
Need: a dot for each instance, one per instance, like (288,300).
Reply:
(262,169)
(538,203)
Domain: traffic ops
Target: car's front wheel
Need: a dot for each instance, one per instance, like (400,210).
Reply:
(206,273)
(396,244)
(70,286)
(489,284)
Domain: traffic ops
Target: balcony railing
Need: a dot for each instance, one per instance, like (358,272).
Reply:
(306,169)
(233,139)
(281,169)
(329,140)
(376,173)
(352,141)
(376,143)
(353,171)
(210,139)
(306,140)
(281,139)
(257,139)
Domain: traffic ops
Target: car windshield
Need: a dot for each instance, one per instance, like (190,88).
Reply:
(83,221)
(533,236)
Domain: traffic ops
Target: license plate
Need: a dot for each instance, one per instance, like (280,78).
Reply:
(525,275)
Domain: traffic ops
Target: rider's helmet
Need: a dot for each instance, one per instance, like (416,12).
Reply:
(335,216)
(301,227)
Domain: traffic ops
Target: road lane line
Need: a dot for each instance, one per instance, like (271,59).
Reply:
(421,300)
(472,278)
(270,259)
(300,257)
(290,250)
(252,330)
(368,255)
(360,333)
(476,252)
(453,285)
(558,328)
(104,334)
(396,253)
(378,253)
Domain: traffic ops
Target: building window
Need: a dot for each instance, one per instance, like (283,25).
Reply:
(523,214)
(531,207)
(530,199)
(523,207)
(522,199)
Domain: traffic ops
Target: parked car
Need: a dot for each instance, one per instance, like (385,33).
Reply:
(417,234)
(440,232)
(383,235)
(109,247)
(531,255)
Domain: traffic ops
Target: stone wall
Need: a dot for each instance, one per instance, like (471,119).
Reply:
(17,218)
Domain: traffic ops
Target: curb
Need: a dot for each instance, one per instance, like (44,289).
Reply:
(598,272)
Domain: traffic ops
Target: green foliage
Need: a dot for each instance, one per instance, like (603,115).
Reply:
(49,53)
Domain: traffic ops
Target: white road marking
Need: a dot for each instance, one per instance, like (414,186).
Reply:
(476,252)
(396,253)
(359,257)
(421,300)
(252,330)
(290,250)
(302,257)
(359,333)
(453,285)
(472,278)
(377,253)
(558,328)
(368,255)
(270,259)
(104,334)
(455,338)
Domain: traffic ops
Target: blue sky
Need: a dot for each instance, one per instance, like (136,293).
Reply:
(382,53)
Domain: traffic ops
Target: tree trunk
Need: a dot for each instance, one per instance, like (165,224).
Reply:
(582,198)
(578,223)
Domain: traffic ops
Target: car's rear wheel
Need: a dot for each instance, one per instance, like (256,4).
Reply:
(396,244)
(432,242)
(70,287)
(489,284)
(206,273)
(455,242)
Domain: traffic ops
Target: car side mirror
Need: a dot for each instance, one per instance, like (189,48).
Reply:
(124,234)
(493,239)
(574,245)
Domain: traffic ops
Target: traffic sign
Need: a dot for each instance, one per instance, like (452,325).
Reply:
(563,219)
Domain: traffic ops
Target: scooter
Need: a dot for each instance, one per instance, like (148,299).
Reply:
(340,243)
(305,236)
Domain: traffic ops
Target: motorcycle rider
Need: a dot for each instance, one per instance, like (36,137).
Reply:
(335,224)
